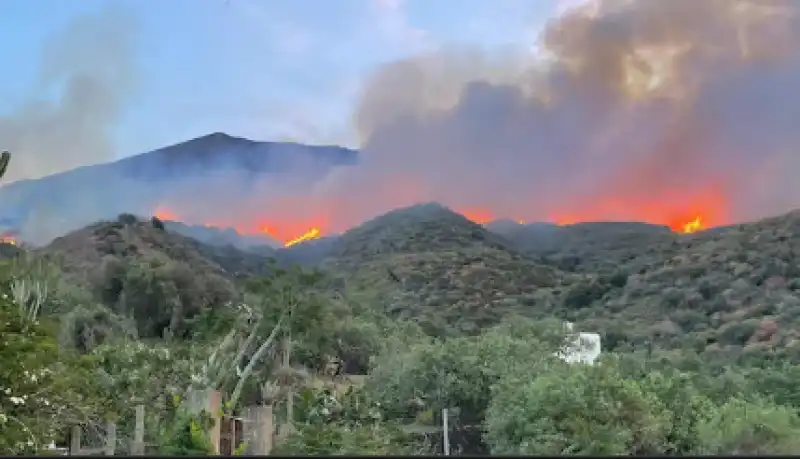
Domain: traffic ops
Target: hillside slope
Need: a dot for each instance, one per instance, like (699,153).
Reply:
(728,294)
(433,265)
(220,237)
(595,247)
(160,278)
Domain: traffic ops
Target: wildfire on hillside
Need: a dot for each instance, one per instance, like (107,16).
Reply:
(313,233)
(290,233)
(635,115)
(477,215)
(8,237)
(164,214)
(693,226)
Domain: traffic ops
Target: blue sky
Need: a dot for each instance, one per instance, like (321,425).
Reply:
(264,69)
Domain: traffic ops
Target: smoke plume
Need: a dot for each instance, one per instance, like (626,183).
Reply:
(648,110)
(644,110)
(88,68)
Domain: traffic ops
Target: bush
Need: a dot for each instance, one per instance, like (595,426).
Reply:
(750,428)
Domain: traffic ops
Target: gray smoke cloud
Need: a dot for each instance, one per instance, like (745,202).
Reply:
(637,110)
(643,110)
(90,68)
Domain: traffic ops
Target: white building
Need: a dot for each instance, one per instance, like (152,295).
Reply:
(584,349)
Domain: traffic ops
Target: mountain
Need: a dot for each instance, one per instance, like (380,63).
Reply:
(306,253)
(715,313)
(442,270)
(222,151)
(632,282)
(159,278)
(592,247)
(727,295)
(221,237)
(44,208)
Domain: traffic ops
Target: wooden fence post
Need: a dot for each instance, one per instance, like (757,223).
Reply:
(137,445)
(259,429)
(111,439)
(75,441)
(210,401)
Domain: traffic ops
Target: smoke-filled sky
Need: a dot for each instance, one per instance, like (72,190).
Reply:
(649,110)
(266,70)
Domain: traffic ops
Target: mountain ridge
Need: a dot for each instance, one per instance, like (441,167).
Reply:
(44,208)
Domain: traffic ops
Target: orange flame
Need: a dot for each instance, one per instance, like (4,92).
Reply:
(313,233)
(163,213)
(683,211)
(692,226)
(8,238)
(478,215)
(287,233)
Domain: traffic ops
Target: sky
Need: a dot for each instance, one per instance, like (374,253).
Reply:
(262,69)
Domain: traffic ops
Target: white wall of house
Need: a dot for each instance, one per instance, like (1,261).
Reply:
(586,348)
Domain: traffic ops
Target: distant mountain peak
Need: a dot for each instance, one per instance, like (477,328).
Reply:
(220,149)
(218,138)
(214,142)
(221,135)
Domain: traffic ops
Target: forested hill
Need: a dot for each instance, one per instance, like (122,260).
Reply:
(429,310)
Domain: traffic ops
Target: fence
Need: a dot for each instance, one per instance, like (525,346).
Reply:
(76,447)
(108,448)
(254,429)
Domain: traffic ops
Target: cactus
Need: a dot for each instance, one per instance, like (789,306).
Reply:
(5,157)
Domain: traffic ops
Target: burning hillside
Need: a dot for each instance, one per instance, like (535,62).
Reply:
(286,233)
(289,233)
(8,237)
(676,113)
(679,113)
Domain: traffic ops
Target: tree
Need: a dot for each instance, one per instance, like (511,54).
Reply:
(459,373)
(686,407)
(574,409)
(43,389)
(349,423)
(750,428)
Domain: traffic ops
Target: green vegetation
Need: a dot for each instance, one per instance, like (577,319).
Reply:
(432,312)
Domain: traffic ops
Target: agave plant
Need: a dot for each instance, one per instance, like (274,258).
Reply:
(5,157)
(224,364)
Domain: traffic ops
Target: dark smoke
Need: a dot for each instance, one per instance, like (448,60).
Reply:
(579,133)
